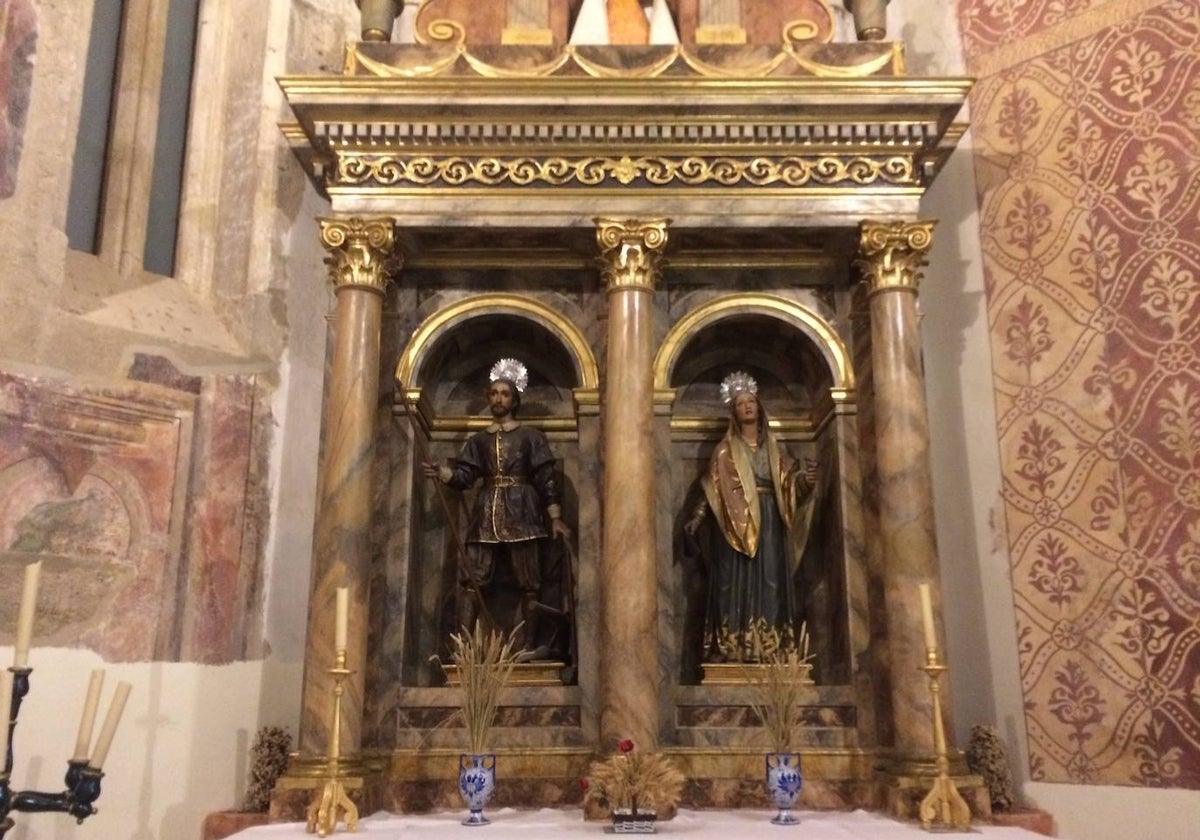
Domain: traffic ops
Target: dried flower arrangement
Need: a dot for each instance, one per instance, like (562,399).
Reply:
(268,761)
(784,675)
(484,663)
(634,781)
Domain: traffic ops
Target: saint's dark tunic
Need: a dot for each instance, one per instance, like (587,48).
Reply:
(519,484)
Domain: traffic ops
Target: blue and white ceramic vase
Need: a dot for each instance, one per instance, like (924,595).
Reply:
(783,783)
(476,781)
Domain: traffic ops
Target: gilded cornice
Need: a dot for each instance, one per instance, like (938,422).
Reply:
(891,255)
(361,252)
(631,252)
(548,149)
(364,134)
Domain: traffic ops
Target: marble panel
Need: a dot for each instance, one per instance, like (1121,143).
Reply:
(228,518)
(563,209)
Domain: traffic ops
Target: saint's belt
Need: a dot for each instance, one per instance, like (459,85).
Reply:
(505,480)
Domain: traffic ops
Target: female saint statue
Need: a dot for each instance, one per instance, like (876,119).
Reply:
(762,502)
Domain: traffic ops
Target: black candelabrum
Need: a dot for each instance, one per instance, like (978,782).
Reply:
(82,780)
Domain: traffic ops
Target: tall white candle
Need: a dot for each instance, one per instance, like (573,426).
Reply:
(33,573)
(109,728)
(927,616)
(342,622)
(83,741)
(6,690)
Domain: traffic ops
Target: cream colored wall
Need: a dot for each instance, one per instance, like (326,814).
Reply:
(980,623)
(179,752)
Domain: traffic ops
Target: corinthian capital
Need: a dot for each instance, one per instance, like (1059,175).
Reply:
(890,256)
(631,252)
(361,252)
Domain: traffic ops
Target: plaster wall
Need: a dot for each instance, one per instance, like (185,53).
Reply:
(247,304)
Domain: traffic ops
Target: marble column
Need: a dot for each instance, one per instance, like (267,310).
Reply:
(360,260)
(890,259)
(629,678)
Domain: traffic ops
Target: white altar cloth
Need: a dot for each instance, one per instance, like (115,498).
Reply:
(547,823)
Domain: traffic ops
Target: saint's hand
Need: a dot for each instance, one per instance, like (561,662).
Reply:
(560,529)
(811,471)
(430,469)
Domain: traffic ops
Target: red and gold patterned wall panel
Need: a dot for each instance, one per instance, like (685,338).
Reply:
(1087,129)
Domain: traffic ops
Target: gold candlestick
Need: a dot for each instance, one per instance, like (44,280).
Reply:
(943,807)
(325,806)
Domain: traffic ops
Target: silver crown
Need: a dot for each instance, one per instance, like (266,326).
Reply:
(735,383)
(512,371)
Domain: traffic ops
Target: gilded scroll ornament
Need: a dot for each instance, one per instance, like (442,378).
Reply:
(891,255)
(361,252)
(387,170)
(631,252)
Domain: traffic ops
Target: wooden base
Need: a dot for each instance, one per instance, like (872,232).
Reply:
(524,673)
(736,673)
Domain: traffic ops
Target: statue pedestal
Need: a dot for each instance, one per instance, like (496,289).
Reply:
(737,673)
(523,674)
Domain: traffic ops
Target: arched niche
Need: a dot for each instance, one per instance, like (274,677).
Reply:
(444,373)
(804,380)
(458,344)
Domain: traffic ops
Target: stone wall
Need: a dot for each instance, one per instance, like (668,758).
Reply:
(158,434)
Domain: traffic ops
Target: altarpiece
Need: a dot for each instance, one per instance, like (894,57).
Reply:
(633,221)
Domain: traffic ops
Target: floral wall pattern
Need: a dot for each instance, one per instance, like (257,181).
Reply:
(1087,125)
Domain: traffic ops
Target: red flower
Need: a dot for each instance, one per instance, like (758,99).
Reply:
(584,784)
(625,746)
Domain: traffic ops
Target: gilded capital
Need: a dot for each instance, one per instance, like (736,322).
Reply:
(890,256)
(631,252)
(361,252)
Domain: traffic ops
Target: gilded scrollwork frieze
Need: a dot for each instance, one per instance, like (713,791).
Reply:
(361,252)
(891,255)
(360,169)
(631,252)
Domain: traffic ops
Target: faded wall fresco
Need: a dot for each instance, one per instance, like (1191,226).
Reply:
(1087,127)
(18,40)
(144,501)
